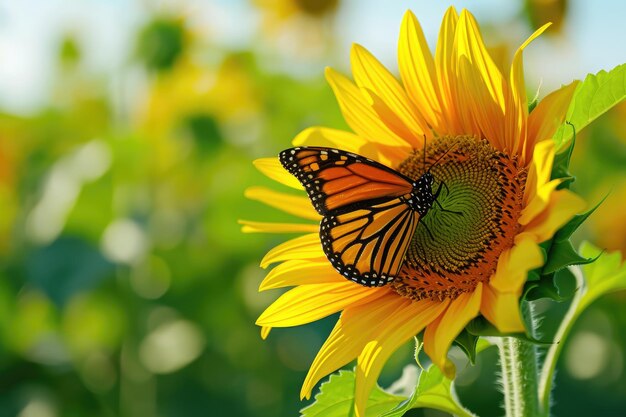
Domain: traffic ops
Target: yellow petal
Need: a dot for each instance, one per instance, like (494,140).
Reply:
(297,205)
(303,247)
(548,116)
(359,113)
(514,265)
(417,69)
(333,138)
(397,329)
(264,227)
(370,74)
(439,335)
(308,303)
(538,187)
(482,89)
(518,114)
(563,205)
(300,272)
(356,326)
(272,168)
(502,310)
(447,74)
(265,331)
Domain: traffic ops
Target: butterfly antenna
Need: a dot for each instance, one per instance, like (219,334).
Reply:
(441,157)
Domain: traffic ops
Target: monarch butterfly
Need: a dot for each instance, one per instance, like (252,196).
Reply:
(370,211)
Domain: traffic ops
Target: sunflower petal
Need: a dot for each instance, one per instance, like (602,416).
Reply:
(303,247)
(514,264)
(308,303)
(538,184)
(549,114)
(300,272)
(404,324)
(333,138)
(264,227)
(447,73)
(370,74)
(359,114)
(502,310)
(356,326)
(293,204)
(272,168)
(439,335)
(518,115)
(417,69)
(563,205)
(481,86)
(265,331)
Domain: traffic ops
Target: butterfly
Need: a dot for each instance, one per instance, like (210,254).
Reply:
(370,211)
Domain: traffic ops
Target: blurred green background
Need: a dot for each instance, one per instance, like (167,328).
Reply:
(127,131)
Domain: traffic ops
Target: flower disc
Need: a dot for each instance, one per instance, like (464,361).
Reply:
(457,245)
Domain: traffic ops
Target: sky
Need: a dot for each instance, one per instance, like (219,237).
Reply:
(30,30)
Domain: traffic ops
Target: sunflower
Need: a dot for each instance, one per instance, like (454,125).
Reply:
(496,161)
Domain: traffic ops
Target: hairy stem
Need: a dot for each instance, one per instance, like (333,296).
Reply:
(518,361)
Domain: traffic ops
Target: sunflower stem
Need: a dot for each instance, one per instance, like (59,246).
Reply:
(518,361)
(549,363)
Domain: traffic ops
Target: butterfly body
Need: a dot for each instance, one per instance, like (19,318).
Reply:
(370,211)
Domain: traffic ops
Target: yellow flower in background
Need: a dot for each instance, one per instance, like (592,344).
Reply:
(496,161)
(224,92)
(290,24)
(277,11)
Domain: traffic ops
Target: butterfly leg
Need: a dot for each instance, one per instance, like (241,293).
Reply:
(436,197)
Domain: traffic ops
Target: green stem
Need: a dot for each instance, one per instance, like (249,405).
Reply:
(518,361)
(552,356)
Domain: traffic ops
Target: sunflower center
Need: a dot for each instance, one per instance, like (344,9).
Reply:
(458,242)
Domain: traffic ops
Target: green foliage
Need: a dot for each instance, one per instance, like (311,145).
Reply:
(597,94)
(160,43)
(432,390)
(467,342)
(336,398)
(552,280)
(60,277)
(606,275)
(560,166)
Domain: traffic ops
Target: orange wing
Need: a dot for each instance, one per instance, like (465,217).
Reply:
(367,245)
(368,222)
(335,179)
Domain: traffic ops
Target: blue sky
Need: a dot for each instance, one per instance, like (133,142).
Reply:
(594,38)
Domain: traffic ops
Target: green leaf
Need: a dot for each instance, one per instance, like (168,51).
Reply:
(467,342)
(558,286)
(433,390)
(606,275)
(336,399)
(594,96)
(480,326)
(560,167)
(561,252)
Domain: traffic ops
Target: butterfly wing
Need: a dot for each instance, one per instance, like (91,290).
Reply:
(367,245)
(335,179)
(367,224)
